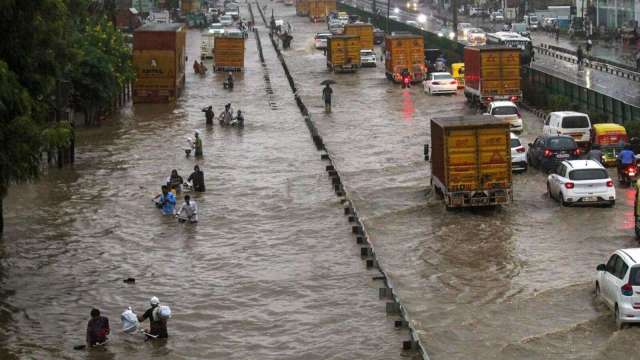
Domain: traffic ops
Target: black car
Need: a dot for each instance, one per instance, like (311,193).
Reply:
(547,152)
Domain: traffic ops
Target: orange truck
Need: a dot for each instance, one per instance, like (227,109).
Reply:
(404,52)
(492,73)
(159,55)
(320,9)
(343,53)
(471,160)
(228,53)
(302,7)
(364,31)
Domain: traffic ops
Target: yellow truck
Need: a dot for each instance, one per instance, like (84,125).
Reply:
(471,160)
(302,7)
(364,31)
(320,9)
(404,52)
(228,53)
(492,73)
(343,53)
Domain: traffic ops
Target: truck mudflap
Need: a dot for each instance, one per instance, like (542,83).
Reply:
(478,198)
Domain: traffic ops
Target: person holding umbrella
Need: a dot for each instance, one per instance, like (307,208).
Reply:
(326,94)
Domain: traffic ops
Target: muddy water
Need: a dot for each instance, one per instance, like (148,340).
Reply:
(270,272)
(515,282)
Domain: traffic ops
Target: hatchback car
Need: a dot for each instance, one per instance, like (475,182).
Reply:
(506,110)
(518,155)
(476,37)
(367,58)
(226,20)
(440,83)
(320,40)
(618,285)
(547,152)
(581,182)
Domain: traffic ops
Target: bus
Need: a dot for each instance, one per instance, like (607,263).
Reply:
(515,40)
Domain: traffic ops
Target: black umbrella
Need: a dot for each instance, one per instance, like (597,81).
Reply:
(327,82)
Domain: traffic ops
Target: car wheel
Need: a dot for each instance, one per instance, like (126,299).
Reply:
(611,203)
(562,202)
(619,322)
(549,191)
(637,231)
(430,91)
(597,294)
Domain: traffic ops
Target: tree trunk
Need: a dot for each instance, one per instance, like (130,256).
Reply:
(1,216)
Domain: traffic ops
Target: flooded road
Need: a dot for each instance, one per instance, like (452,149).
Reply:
(270,272)
(515,282)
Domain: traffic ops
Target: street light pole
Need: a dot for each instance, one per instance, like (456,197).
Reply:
(388,11)
(454,8)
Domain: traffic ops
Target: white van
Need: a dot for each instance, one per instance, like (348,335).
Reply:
(571,123)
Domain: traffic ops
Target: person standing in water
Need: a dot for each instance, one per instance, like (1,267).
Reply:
(198,144)
(197,179)
(188,211)
(97,329)
(157,325)
(326,96)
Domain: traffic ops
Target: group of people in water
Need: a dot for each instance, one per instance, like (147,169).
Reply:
(98,327)
(226,118)
(166,200)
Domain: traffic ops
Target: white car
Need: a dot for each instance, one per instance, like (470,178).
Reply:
(518,155)
(367,58)
(476,37)
(226,20)
(506,110)
(581,182)
(571,123)
(618,285)
(320,40)
(497,16)
(440,83)
(216,28)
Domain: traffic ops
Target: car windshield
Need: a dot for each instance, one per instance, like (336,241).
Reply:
(366,52)
(515,143)
(322,36)
(504,110)
(562,143)
(575,122)
(589,174)
(441,77)
(225,17)
(216,26)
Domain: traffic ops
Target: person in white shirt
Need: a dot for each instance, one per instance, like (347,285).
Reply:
(188,211)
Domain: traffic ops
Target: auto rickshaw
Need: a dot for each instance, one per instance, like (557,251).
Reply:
(611,138)
(457,71)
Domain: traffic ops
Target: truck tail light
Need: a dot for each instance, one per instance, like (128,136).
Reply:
(609,183)
(569,185)
(627,289)
(547,153)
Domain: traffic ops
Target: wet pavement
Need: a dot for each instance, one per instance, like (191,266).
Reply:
(512,282)
(270,272)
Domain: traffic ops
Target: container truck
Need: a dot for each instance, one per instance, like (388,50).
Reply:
(404,52)
(302,7)
(320,9)
(159,57)
(343,53)
(228,52)
(471,160)
(364,31)
(492,73)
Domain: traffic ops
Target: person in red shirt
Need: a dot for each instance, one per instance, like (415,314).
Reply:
(97,329)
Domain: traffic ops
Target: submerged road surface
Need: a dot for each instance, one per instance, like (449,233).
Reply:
(270,272)
(513,282)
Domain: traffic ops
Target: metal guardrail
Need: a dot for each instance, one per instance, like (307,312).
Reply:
(593,62)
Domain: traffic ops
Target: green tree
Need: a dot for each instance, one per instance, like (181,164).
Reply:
(20,135)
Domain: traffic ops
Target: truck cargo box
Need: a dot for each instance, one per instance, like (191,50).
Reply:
(302,7)
(471,160)
(320,9)
(343,53)
(492,73)
(404,51)
(364,31)
(228,53)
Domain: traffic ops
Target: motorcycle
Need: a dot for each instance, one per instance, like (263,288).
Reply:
(228,84)
(628,174)
(406,81)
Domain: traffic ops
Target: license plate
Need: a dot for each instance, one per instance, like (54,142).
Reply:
(590,198)
(562,156)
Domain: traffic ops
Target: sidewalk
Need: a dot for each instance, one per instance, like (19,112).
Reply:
(614,52)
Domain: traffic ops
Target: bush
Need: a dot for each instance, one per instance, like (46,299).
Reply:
(559,103)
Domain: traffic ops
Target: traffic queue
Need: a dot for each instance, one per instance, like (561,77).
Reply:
(473,157)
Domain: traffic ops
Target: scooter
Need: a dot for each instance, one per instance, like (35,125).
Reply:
(628,175)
